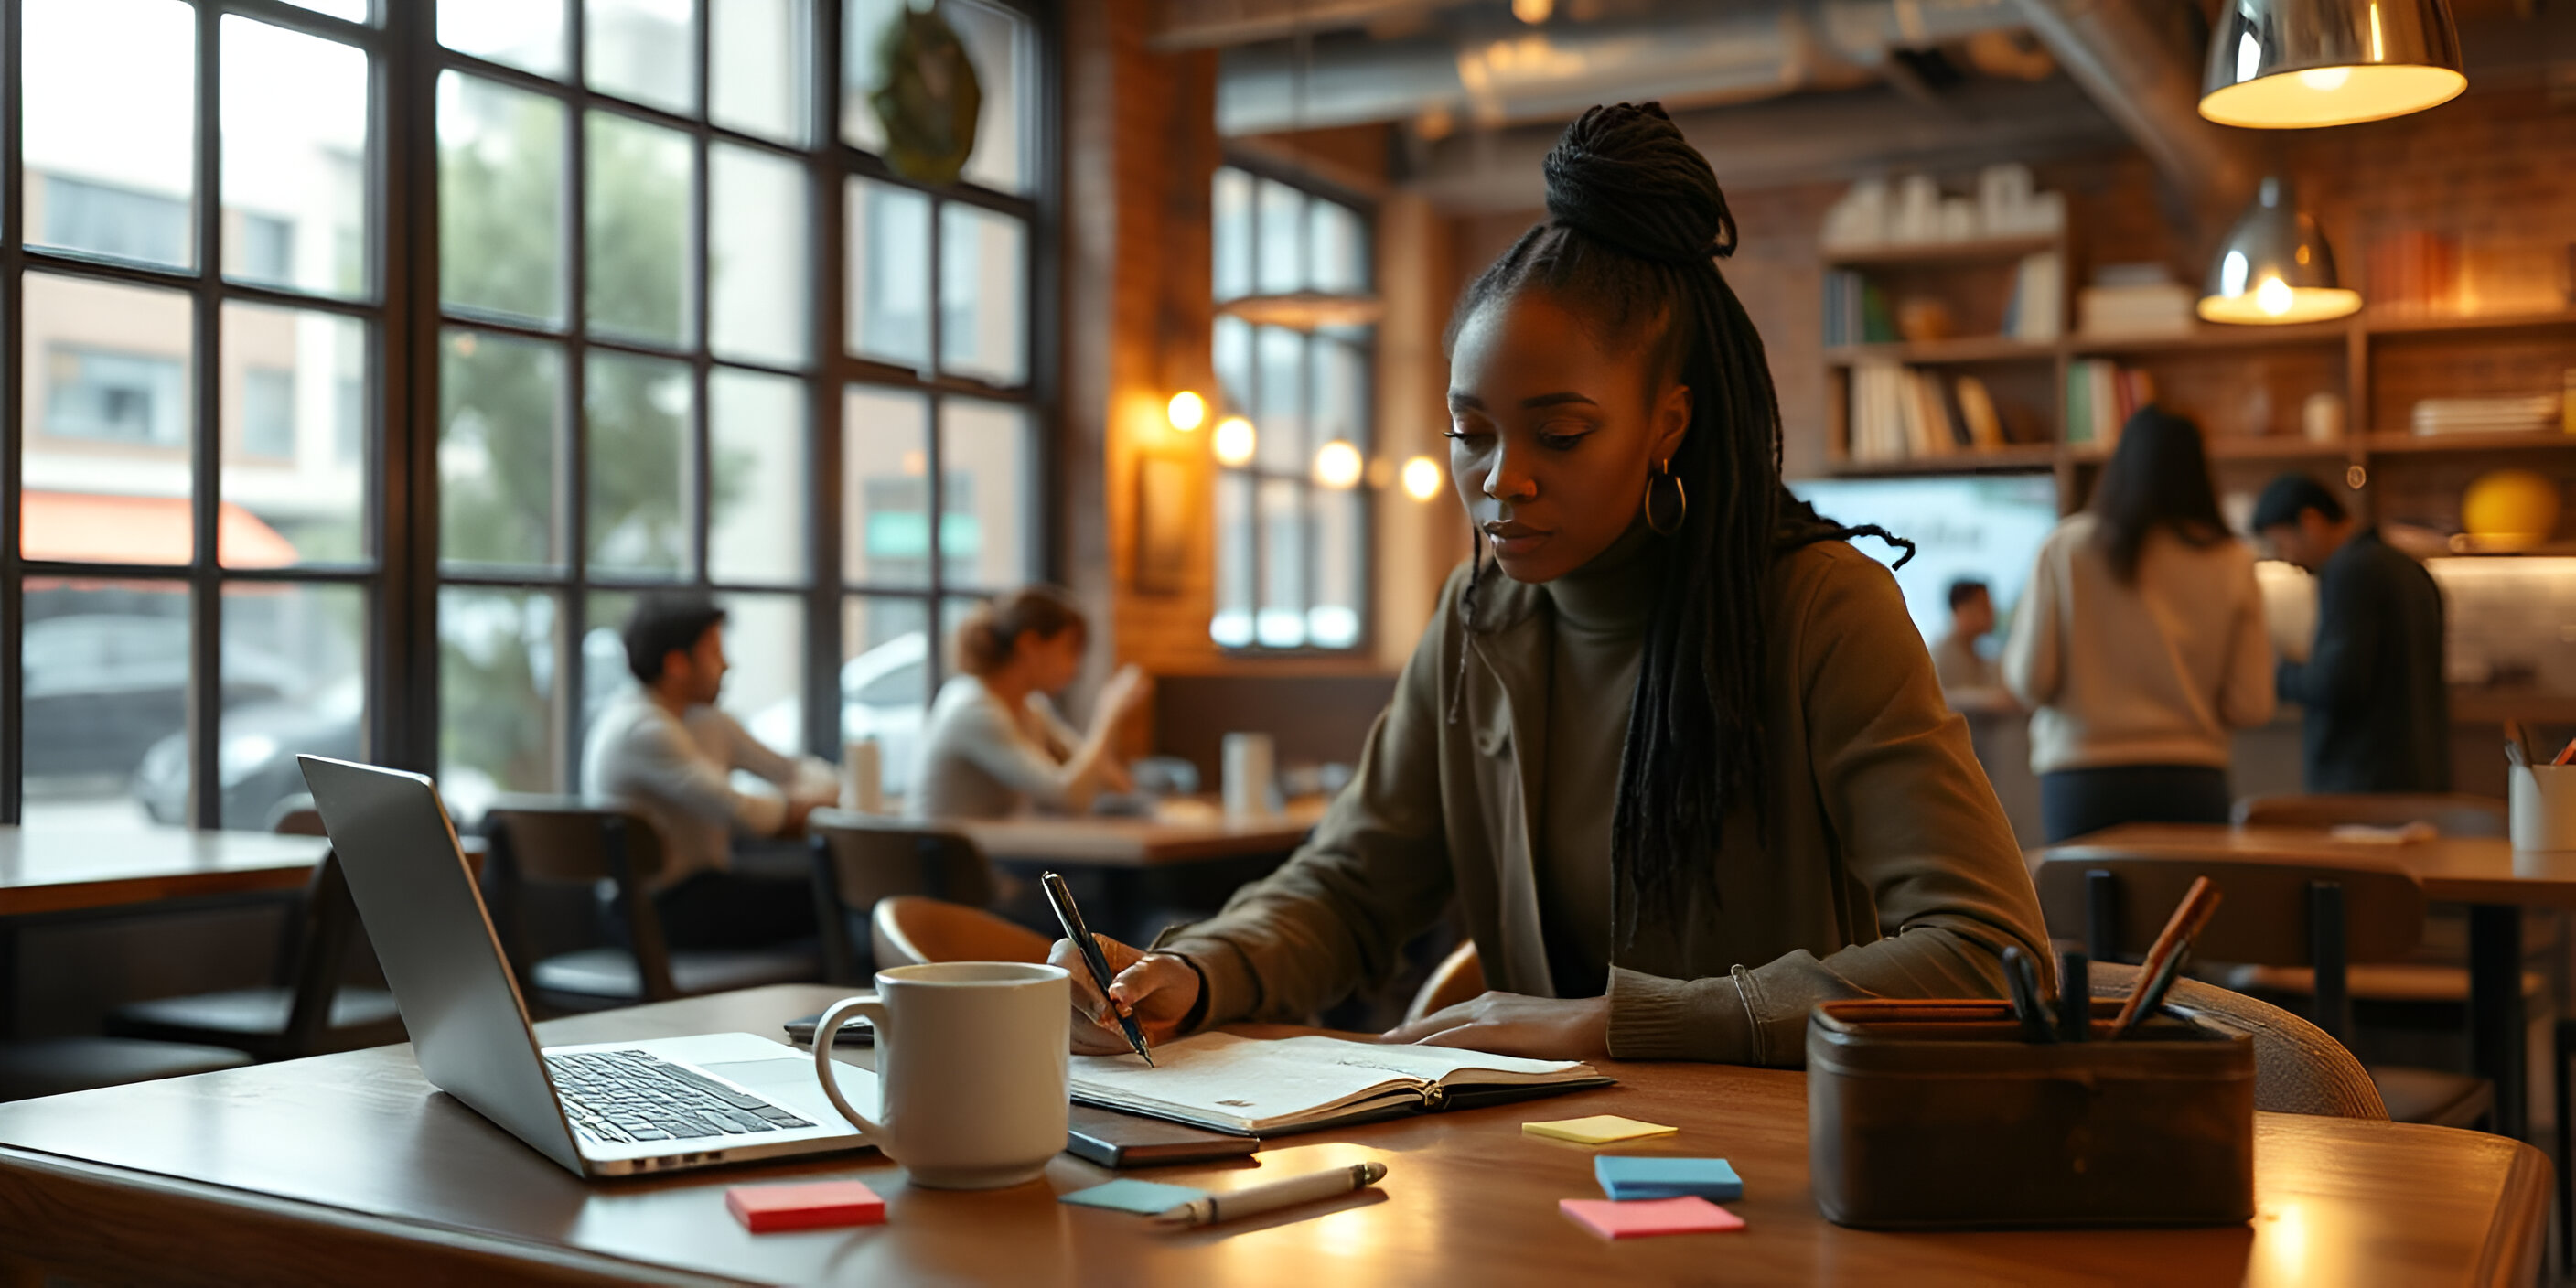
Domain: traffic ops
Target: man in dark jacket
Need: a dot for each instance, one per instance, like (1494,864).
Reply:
(2378,709)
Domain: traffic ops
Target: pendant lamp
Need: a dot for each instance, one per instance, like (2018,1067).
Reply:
(2275,267)
(2298,64)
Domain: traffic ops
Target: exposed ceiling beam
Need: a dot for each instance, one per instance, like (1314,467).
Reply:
(1733,53)
(2136,73)
(1215,24)
(1813,138)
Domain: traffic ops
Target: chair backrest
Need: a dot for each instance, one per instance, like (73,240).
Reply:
(1459,977)
(2281,910)
(910,930)
(860,861)
(2298,1067)
(569,842)
(2451,814)
(295,816)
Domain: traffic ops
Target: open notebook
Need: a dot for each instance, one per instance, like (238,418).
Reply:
(1252,1087)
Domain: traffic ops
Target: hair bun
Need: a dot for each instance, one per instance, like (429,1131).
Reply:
(1624,175)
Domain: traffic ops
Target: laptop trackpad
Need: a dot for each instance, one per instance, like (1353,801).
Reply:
(790,1083)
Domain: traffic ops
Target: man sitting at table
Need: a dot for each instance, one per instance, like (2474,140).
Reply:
(664,750)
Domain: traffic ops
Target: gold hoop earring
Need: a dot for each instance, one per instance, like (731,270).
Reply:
(1666,504)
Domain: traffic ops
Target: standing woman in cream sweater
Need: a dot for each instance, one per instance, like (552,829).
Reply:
(2140,643)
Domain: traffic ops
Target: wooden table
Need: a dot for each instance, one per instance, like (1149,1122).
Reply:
(1101,842)
(347,1168)
(51,870)
(2485,872)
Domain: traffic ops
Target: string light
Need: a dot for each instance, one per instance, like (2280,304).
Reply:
(1234,441)
(1422,478)
(1187,411)
(1338,465)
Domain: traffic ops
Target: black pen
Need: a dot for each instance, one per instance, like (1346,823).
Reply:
(2022,975)
(1070,917)
(2074,997)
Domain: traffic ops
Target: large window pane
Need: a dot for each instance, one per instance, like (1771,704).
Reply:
(1236,538)
(756,262)
(983,309)
(987,500)
(1281,412)
(1336,249)
(109,419)
(637,413)
(889,271)
(1333,620)
(638,192)
(864,27)
(1233,362)
(1231,233)
(757,531)
(1340,404)
(764,639)
(523,33)
(497,730)
(353,10)
(757,62)
(1282,620)
(294,423)
(104,670)
(500,435)
(645,50)
(1000,45)
(109,93)
(295,160)
(885,487)
(1281,254)
(604,669)
(885,679)
(500,199)
(306,644)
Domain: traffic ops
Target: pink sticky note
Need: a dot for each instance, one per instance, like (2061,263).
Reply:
(1638,1217)
(810,1206)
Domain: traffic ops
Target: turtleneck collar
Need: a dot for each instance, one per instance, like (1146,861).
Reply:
(1613,594)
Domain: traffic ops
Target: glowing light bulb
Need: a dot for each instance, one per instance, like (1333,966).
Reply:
(1422,478)
(1187,411)
(1234,441)
(2273,296)
(1533,11)
(1337,465)
(2325,80)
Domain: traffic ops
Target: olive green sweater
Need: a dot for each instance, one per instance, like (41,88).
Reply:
(1884,868)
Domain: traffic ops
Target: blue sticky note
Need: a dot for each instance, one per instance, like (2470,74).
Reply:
(1657,1176)
(1145,1197)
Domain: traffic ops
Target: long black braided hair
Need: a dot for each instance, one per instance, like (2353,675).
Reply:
(1636,225)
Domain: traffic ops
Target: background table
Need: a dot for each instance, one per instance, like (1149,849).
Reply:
(348,1168)
(1101,842)
(48,870)
(2484,872)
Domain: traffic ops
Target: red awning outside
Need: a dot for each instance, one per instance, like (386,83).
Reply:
(87,528)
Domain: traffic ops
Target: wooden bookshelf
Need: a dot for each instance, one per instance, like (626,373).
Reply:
(2400,443)
(1915,254)
(2017,458)
(2206,337)
(1929,353)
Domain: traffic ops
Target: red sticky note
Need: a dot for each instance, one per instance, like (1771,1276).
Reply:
(763,1208)
(1638,1217)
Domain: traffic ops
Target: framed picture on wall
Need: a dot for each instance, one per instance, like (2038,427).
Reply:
(1169,522)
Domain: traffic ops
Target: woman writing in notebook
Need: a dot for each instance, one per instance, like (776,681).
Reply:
(1683,763)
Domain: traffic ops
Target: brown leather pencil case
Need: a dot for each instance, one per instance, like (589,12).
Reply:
(1936,1114)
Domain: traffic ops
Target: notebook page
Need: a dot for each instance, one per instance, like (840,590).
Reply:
(1247,1084)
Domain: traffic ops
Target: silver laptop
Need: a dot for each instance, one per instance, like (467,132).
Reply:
(605,1109)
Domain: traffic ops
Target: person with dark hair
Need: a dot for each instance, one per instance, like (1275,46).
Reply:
(666,751)
(2378,705)
(995,745)
(1968,676)
(2140,643)
(1683,764)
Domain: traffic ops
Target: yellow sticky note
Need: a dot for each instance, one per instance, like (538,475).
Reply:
(1599,1129)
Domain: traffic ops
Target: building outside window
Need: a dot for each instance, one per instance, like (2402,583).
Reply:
(1293,356)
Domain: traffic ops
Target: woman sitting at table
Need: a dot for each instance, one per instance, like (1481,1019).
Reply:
(994,744)
(1684,763)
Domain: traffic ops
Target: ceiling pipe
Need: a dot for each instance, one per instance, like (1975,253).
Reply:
(1556,72)
(2131,68)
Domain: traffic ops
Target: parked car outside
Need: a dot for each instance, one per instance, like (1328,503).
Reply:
(883,693)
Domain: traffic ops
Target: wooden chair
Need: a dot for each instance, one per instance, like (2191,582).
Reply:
(2450,814)
(34,1067)
(2298,1069)
(910,929)
(2282,912)
(860,861)
(1458,978)
(539,843)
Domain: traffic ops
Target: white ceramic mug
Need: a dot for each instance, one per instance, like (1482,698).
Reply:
(1250,774)
(970,1069)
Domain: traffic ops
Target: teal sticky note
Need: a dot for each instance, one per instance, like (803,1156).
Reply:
(1144,1197)
(1656,1176)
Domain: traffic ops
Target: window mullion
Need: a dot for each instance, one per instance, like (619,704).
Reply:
(572,613)
(13,601)
(205,590)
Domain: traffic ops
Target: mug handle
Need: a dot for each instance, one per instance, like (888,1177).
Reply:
(828,1028)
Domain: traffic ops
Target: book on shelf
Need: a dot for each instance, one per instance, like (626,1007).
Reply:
(2101,396)
(1901,413)
(2035,313)
(1856,311)
(2146,309)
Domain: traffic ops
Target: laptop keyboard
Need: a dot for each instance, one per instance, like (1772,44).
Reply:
(625,1097)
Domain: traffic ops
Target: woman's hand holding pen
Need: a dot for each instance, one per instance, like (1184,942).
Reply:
(1540,1028)
(1157,988)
